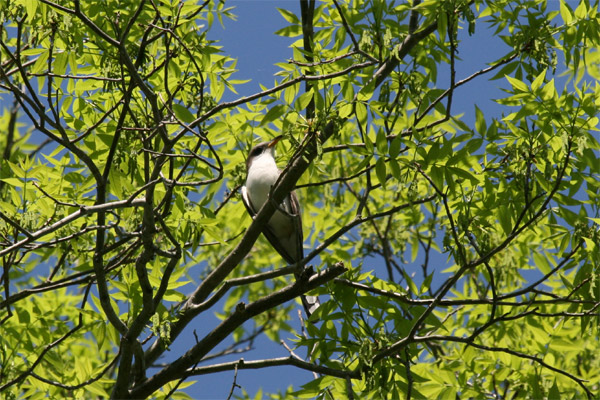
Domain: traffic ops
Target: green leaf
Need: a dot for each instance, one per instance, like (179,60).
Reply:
(426,284)
(345,110)
(41,63)
(537,82)
(380,171)
(448,393)
(60,63)
(13,182)
(31,7)
(183,113)
(214,233)
(395,147)
(480,124)
(518,85)
(541,262)
(437,176)
(381,142)
(590,245)
(562,345)
(565,12)
(412,287)
(442,26)
(549,91)
(395,169)
(504,216)
(289,16)
(506,70)
(304,100)
(289,94)
(554,392)
(274,113)
(369,145)
(581,11)
(290,31)
(361,112)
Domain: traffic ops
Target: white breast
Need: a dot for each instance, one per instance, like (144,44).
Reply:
(262,176)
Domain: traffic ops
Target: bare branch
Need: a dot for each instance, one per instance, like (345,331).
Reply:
(275,362)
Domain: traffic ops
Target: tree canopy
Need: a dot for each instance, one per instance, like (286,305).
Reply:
(456,256)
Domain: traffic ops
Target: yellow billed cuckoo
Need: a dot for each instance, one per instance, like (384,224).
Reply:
(284,229)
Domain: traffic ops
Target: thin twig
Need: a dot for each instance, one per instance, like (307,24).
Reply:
(234,384)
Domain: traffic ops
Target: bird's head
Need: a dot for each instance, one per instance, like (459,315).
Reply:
(262,149)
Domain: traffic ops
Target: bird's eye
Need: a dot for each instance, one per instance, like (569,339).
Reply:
(257,151)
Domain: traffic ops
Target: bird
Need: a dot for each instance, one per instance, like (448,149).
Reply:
(284,229)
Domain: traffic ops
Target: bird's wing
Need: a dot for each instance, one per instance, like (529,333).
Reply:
(247,203)
(270,235)
(296,217)
(310,303)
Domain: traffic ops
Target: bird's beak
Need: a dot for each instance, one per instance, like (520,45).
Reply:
(273,142)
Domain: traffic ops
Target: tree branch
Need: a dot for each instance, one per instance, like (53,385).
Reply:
(241,314)
(275,362)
